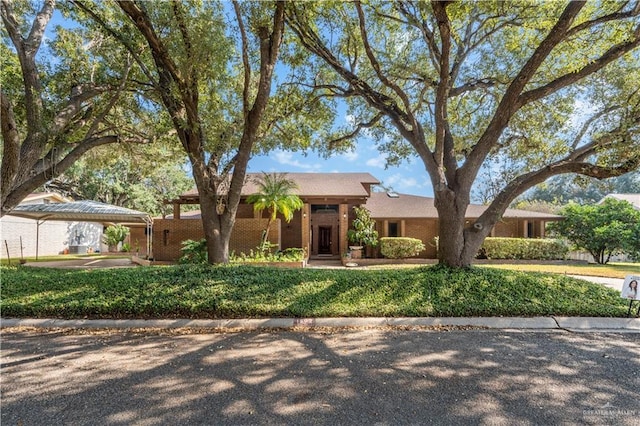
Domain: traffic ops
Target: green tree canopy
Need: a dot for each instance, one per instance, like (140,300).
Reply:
(565,188)
(462,85)
(142,177)
(59,99)
(604,230)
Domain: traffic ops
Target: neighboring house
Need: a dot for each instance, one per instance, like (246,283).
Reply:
(321,226)
(631,198)
(27,237)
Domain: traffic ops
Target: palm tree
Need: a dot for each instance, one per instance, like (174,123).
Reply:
(275,195)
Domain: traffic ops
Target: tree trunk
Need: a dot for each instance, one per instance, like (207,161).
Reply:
(217,229)
(459,241)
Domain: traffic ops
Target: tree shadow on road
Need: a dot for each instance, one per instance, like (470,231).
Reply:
(377,376)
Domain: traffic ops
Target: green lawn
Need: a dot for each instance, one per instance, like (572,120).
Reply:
(254,291)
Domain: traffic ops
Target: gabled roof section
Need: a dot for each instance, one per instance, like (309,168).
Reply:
(315,185)
(45,196)
(405,206)
(631,198)
(82,211)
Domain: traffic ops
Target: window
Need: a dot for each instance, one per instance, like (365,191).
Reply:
(392,229)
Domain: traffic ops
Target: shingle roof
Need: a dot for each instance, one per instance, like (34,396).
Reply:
(317,184)
(405,206)
(632,198)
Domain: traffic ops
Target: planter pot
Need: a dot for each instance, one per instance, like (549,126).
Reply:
(356,252)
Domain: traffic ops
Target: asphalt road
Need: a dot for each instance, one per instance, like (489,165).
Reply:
(362,377)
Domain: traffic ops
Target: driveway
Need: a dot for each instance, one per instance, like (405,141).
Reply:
(614,283)
(377,376)
(88,263)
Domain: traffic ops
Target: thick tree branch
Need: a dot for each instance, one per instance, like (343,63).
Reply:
(376,65)
(117,35)
(509,103)
(27,49)
(355,132)
(423,27)
(526,181)
(379,101)
(246,65)
(444,150)
(609,56)
(11,145)
(616,16)
(24,188)
(589,122)
(79,96)
(161,56)
(270,42)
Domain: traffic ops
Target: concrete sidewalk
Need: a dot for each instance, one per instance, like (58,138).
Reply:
(577,324)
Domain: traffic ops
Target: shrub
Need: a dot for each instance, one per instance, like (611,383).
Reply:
(364,229)
(400,247)
(194,252)
(604,230)
(523,248)
(293,254)
(115,234)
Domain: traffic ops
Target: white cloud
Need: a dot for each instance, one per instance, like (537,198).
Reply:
(398,181)
(287,158)
(350,155)
(378,161)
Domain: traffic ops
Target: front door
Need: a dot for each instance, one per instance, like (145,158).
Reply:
(324,240)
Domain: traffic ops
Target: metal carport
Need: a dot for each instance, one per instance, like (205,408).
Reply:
(84,211)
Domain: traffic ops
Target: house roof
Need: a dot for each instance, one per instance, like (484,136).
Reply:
(48,196)
(405,206)
(315,185)
(83,211)
(631,198)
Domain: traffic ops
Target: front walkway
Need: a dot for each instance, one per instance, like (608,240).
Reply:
(88,263)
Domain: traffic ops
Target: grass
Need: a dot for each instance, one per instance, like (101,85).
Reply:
(190,291)
(610,270)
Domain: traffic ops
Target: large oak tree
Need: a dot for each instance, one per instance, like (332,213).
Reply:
(211,67)
(54,107)
(545,88)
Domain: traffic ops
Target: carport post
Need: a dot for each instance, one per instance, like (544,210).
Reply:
(149,223)
(38,223)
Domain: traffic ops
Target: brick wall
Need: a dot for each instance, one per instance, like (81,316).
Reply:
(424,230)
(168,235)
(508,229)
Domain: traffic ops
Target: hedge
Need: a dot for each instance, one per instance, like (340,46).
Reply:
(523,248)
(400,247)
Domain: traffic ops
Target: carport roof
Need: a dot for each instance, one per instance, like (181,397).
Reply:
(82,211)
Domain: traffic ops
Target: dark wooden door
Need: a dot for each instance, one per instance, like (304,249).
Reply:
(324,240)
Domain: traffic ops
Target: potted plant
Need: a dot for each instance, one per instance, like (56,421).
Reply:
(114,235)
(363,232)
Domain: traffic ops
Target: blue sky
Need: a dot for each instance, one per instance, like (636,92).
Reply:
(409,178)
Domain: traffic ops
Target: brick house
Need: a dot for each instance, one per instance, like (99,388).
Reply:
(321,226)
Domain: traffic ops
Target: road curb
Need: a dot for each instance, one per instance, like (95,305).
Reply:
(583,324)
